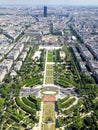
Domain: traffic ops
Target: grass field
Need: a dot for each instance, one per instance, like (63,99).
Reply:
(49,73)
(48,127)
(49,80)
(49,66)
(48,113)
(50,56)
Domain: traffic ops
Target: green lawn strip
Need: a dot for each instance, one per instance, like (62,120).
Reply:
(65,99)
(24,107)
(48,112)
(49,80)
(68,103)
(66,82)
(50,56)
(28,102)
(33,81)
(48,127)
(49,59)
(73,108)
(66,79)
(63,83)
(60,101)
(50,67)
(49,73)
(16,117)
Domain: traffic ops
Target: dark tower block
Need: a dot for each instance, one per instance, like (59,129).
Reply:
(45,11)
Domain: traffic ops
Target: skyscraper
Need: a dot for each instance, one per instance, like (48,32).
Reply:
(45,11)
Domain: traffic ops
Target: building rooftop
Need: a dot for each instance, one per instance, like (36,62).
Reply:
(48,99)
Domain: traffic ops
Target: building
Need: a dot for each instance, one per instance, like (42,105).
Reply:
(18,66)
(62,54)
(96,74)
(23,56)
(49,99)
(82,66)
(37,55)
(6,64)
(85,53)
(45,11)
(3,72)
(92,65)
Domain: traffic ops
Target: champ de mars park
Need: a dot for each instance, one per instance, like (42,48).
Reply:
(46,78)
(50,96)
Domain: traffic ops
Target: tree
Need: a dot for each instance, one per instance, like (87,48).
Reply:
(77,123)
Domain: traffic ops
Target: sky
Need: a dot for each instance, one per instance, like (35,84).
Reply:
(50,2)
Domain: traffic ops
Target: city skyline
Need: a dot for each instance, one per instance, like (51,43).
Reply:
(51,2)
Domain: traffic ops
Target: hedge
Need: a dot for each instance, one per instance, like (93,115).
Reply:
(33,81)
(32,98)
(38,106)
(17,117)
(59,104)
(73,108)
(68,103)
(65,99)
(62,83)
(28,102)
(24,107)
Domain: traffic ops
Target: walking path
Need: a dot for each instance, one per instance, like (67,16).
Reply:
(41,115)
(45,68)
(38,127)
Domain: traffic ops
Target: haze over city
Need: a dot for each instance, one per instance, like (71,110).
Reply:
(51,2)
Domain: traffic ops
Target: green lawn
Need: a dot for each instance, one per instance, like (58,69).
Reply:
(49,59)
(49,73)
(50,53)
(50,56)
(48,113)
(48,127)
(49,80)
(49,66)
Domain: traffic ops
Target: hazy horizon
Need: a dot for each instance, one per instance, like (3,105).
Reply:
(51,2)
